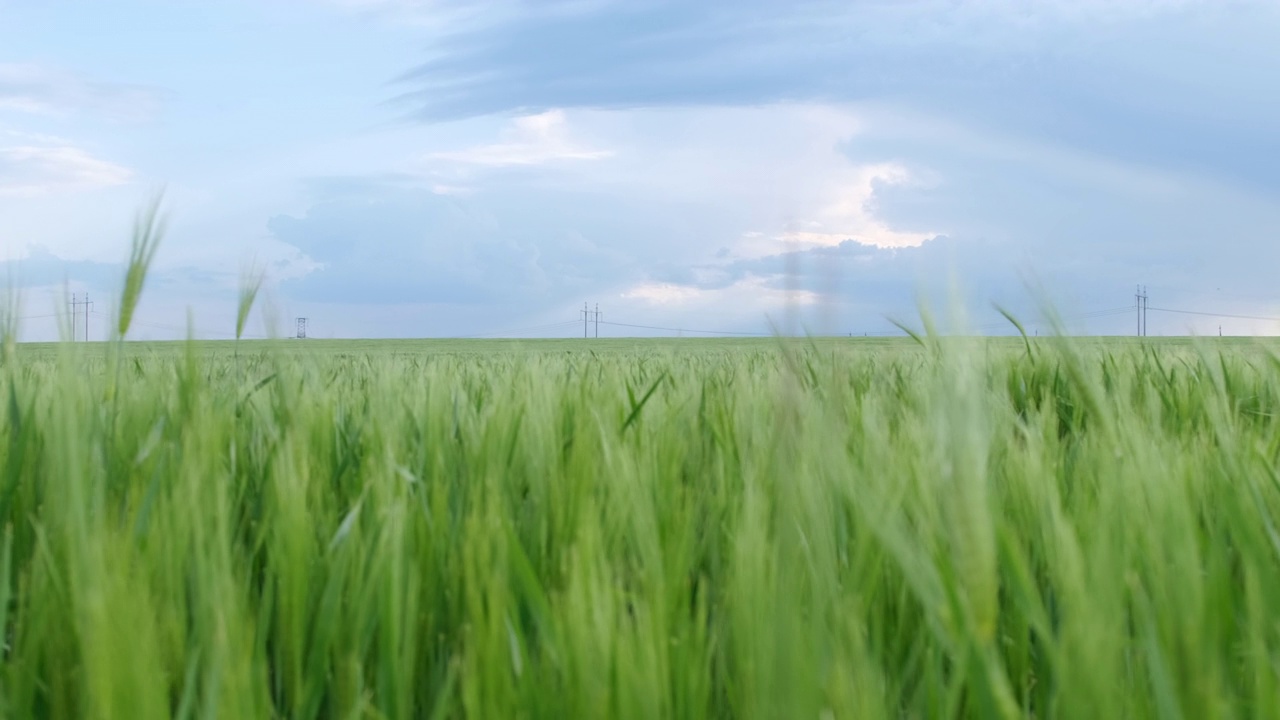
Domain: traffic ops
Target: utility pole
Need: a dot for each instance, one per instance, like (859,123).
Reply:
(76,303)
(1141,299)
(302,328)
(588,315)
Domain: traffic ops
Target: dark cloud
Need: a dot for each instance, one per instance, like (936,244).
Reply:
(389,241)
(42,268)
(1175,88)
(860,288)
(1104,223)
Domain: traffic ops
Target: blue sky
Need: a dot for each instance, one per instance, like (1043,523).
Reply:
(408,168)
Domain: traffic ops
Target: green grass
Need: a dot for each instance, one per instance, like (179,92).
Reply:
(732,529)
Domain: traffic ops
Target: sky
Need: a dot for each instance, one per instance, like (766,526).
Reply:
(446,168)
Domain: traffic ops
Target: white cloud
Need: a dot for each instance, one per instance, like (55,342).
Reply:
(749,296)
(452,190)
(383,5)
(663,293)
(783,171)
(42,90)
(529,140)
(847,212)
(38,169)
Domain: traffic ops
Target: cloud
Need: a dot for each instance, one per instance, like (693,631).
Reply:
(800,188)
(530,140)
(377,242)
(848,212)
(755,294)
(43,90)
(384,5)
(663,293)
(686,187)
(36,169)
(436,16)
(1086,227)
(1167,84)
(716,217)
(614,53)
(671,158)
(40,267)
(852,287)
(45,281)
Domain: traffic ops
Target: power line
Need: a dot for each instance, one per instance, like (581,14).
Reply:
(516,331)
(1103,313)
(1093,315)
(1004,323)
(175,328)
(1218,315)
(1216,292)
(1107,312)
(671,329)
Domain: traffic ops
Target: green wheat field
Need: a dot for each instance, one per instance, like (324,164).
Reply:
(611,529)
(930,527)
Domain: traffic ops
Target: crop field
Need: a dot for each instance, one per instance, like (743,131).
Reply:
(829,528)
